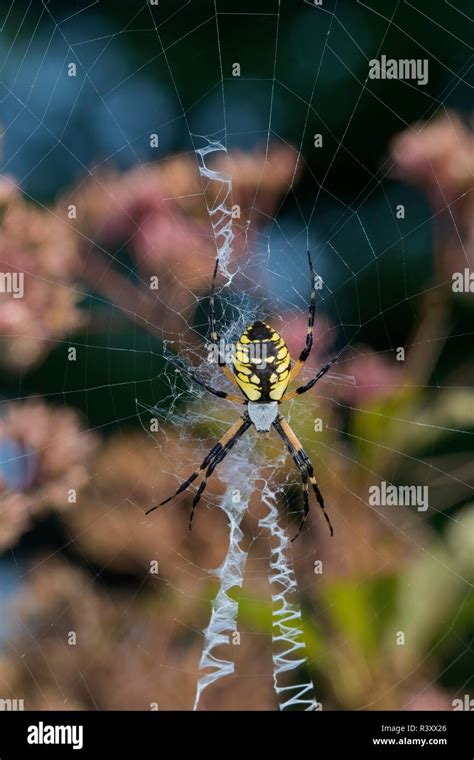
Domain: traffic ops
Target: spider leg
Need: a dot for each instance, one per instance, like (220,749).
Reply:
(304,478)
(303,463)
(219,394)
(313,381)
(298,365)
(221,454)
(212,459)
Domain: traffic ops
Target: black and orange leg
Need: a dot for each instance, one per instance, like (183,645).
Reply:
(298,365)
(312,382)
(303,463)
(220,455)
(210,462)
(215,392)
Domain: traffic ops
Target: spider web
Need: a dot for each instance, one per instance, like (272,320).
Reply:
(262,274)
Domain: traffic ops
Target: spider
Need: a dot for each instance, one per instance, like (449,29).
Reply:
(262,371)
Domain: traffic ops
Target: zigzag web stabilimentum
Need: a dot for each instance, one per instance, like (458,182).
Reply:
(289,649)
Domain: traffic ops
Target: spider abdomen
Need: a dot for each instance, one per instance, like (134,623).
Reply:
(262,363)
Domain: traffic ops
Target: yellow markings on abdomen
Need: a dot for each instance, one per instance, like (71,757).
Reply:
(262,363)
(244,369)
(278,390)
(282,371)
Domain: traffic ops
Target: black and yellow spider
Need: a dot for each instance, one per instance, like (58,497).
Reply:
(262,371)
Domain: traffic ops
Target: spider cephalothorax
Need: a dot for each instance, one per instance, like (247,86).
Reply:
(262,371)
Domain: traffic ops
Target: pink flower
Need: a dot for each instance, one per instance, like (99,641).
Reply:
(44,454)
